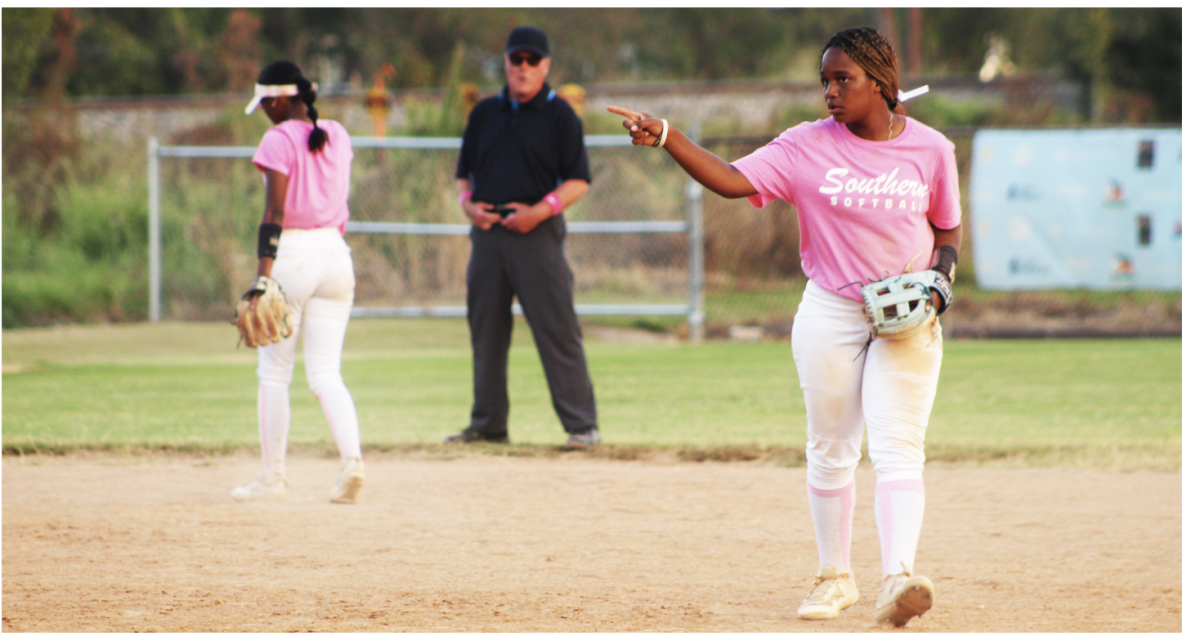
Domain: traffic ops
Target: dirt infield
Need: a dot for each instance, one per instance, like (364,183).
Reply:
(478,544)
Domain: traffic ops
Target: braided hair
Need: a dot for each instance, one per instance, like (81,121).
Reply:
(284,72)
(872,51)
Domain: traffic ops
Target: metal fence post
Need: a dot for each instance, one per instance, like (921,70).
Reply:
(695,196)
(692,225)
(155,241)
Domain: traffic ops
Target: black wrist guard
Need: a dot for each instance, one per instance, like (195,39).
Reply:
(947,261)
(268,240)
(941,287)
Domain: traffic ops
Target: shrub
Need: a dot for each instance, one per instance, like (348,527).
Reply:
(75,232)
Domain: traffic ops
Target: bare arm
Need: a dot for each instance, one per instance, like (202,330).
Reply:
(569,192)
(951,237)
(277,187)
(707,169)
(478,213)
(526,217)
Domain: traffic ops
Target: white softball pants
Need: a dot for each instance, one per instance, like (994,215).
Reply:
(887,389)
(316,272)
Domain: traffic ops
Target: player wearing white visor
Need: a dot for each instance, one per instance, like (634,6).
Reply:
(306,166)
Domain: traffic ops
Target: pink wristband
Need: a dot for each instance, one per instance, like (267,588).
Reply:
(555,202)
(464,196)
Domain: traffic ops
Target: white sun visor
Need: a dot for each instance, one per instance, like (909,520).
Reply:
(277,90)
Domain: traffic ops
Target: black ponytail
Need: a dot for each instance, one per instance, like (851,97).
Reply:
(284,72)
(316,138)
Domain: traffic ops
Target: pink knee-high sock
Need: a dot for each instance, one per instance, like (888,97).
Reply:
(899,510)
(833,512)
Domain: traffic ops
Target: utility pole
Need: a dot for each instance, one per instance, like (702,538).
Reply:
(1101,27)
(885,23)
(912,60)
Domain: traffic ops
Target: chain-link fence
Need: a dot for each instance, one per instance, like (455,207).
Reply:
(631,243)
(209,201)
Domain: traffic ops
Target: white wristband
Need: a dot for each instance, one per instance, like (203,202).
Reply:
(662,139)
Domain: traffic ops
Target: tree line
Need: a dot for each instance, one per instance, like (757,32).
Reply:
(1129,59)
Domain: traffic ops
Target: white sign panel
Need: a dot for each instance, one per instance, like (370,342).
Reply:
(1098,209)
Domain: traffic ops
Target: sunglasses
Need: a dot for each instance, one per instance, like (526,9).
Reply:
(520,58)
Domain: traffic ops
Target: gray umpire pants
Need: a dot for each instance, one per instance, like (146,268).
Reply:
(534,267)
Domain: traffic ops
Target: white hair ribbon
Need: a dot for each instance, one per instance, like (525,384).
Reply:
(902,96)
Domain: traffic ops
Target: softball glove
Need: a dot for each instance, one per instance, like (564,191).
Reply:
(263,316)
(901,306)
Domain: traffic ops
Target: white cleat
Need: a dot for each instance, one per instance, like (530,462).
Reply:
(833,592)
(262,489)
(902,598)
(349,482)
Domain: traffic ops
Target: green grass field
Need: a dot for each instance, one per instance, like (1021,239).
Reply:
(1112,403)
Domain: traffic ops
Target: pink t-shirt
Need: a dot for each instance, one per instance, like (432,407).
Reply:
(318,182)
(864,207)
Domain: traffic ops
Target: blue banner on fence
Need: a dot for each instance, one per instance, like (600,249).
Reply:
(1098,209)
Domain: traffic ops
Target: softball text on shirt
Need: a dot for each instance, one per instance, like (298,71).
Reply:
(864,208)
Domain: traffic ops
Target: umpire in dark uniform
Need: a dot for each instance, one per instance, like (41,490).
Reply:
(522,162)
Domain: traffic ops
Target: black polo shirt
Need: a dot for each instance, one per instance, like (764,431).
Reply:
(516,152)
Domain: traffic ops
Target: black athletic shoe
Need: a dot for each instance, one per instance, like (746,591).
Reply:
(579,441)
(469,436)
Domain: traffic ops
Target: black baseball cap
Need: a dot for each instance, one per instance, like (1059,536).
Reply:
(527,38)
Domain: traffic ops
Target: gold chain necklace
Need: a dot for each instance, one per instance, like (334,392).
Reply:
(891,118)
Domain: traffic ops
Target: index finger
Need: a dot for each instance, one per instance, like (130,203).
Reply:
(625,112)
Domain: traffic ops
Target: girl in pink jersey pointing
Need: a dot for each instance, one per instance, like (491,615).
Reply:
(876,194)
(306,166)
